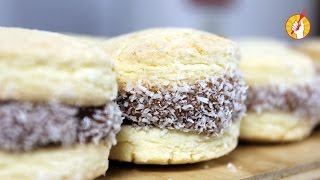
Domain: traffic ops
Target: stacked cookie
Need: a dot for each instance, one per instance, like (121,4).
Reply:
(283,96)
(181,94)
(58,118)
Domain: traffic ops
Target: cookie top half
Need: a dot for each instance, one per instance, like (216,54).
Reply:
(39,66)
(266,61)
(171,55)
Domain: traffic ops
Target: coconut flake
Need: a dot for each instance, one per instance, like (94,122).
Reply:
(202,99)
(232,167)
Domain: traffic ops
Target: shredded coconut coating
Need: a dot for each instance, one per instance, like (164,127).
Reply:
(301,100)
(97,124)
(207,106)
(25,126)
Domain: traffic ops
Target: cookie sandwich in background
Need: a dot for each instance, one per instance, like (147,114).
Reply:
(283,96)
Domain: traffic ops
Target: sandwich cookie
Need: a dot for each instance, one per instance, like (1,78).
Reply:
(283,95)
(181,94)
(58,118)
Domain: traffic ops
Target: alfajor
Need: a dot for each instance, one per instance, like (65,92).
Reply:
(181,94)
(283,96)
(58,118)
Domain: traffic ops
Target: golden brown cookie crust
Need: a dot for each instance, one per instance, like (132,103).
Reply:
(274,127)
(165,55)
(155,146)
(267,61)
(77,162)
(41,66)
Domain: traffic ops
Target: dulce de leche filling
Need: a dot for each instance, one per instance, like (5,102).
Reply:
(208,106)
(301,100)
(25,125)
